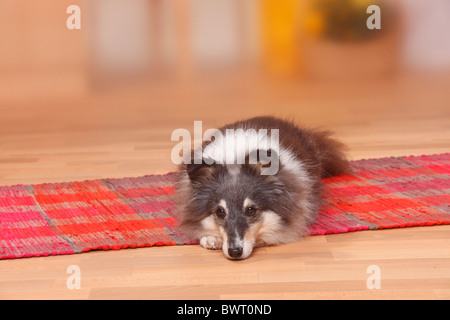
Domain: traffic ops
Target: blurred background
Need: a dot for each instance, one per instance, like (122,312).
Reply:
(104,100)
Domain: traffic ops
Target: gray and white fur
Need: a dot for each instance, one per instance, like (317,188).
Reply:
(233,207)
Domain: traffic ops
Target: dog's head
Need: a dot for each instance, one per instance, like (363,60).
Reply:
(238,203)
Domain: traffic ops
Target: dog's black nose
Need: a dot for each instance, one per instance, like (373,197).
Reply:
(235,252)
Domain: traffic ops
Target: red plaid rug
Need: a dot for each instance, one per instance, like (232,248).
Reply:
(74,217)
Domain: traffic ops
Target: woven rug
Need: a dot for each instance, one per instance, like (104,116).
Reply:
(73,217)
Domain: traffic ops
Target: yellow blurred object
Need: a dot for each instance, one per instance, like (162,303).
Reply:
(314,24)
(280,35)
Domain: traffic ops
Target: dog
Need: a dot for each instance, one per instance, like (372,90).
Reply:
(269,197)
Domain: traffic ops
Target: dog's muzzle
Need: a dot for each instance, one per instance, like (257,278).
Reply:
(235,252)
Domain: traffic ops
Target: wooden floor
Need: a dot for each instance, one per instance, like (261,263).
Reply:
(127,133)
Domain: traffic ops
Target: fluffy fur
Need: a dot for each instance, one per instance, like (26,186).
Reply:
(234,207)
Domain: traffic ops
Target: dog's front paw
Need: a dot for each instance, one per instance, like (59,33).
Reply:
(211,242)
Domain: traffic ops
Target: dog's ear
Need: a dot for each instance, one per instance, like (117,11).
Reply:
(198,172)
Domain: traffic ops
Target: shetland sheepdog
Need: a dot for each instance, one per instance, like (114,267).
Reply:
(256,183)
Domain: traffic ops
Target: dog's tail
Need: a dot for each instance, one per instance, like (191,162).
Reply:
(331,154)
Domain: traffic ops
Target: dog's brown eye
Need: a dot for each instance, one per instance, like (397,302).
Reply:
(220,212)
(250,211)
